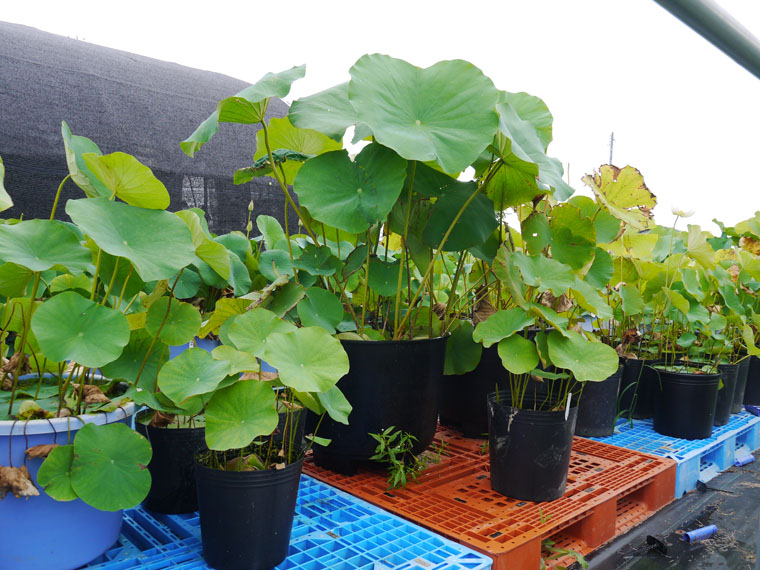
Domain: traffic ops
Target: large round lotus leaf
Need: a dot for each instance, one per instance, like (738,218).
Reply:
(130,361)
(157,243)
(239,413)
(462,352)
(191,373)
(573,236)
(633,303)
(110,467)
(41,244)
(445,113)
(500,325)
(249,332)
(188,284)
(588,361)
(335,404)
(518,354)
(328,112)
(317,260)
(216,256)
(307,359)
(383,277)
(55,474)
(71,327)
(351,195)
(271,231)
(320,308)
(75,147)
(239,361)
(236,243)
(14,280)
(527,145)
(535,232)
(129,179)
(275,263)
(283,135)
(247,106)
(601,270)
(472,228)
(544,273)
(181,321)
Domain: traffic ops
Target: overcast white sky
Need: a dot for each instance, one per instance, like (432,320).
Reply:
(682,112)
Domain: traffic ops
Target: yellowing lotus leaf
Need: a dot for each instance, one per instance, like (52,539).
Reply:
(623,193)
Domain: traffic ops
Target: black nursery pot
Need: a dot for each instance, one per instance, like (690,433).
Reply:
(637,388)
(685,404)
(752,389)
(597,407)
(741,384)
(246,516)
(463,396)
(728,374)
(389,383)
(529,450)
(172,488)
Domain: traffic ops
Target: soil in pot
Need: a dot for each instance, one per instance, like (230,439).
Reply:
(246,516)
(597,407)
(529,450)
(390,383)
(637,387)
(752,389)
(463,396)
(728,376)
(685,403)
(172,467)
(741,384)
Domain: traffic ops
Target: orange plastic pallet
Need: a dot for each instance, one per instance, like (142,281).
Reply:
(609,490)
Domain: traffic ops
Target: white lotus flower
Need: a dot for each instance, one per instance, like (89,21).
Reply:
(681,213)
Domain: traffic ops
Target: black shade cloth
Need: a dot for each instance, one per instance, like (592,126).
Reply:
(123,102)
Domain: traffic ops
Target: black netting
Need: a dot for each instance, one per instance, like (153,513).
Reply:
(123,102)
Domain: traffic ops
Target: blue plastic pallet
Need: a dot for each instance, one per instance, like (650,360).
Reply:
(331,529)
(699,459)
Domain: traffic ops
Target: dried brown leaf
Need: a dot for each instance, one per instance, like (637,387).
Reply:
(42,450)
(160,419)
(264,376)
(18,481)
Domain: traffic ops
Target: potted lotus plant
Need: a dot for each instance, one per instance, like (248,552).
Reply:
(75,296)
(376,226)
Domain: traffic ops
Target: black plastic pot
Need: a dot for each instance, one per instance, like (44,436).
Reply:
(728,374)
(389,383)
(741,384)
(637,388)
(246,516)
(752,389)
(685,405)
(529,450)
(172,466)
(597,407)
(463,396)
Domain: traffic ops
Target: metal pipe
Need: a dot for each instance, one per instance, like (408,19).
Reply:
(720,28)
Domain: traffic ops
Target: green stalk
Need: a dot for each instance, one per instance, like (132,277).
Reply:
(366,286)
(58,196)
(437,251)
(113,280)
(401,265)
(24,336)
(95,277)
(158,332)
(282,184)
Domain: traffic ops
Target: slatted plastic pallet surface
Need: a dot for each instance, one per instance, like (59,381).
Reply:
(331,530)
(697,459)
(609,490)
